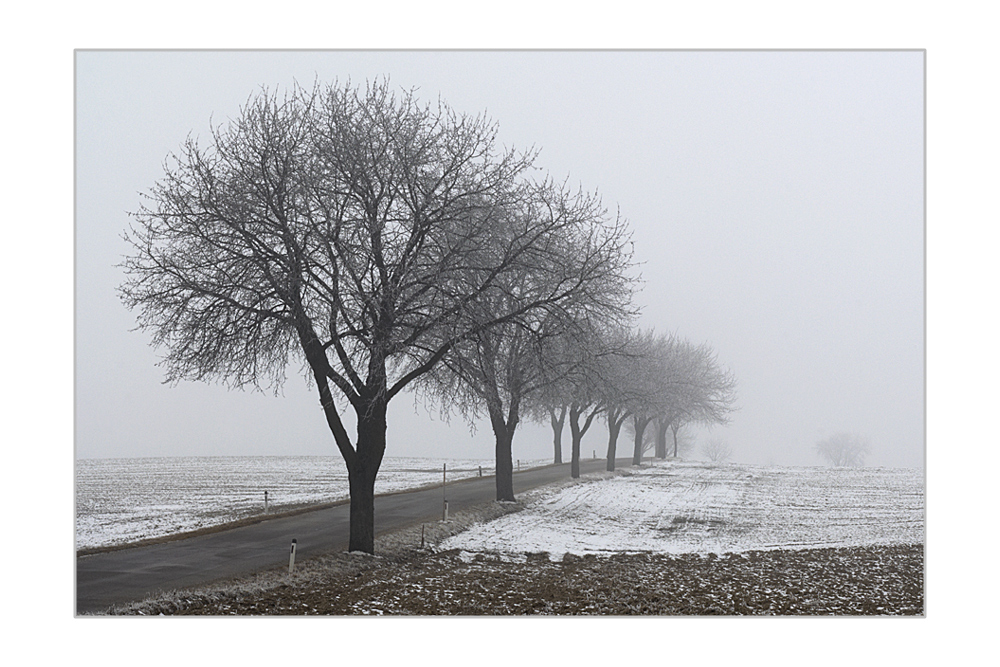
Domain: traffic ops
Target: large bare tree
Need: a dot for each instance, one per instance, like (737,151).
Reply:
(343,228)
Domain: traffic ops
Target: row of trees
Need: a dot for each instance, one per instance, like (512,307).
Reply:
(643,378)
(575,374)
(384,245)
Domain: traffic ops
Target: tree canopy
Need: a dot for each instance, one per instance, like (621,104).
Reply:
(363,236)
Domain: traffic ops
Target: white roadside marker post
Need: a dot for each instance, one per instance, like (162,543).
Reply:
(444,491)
(291,558)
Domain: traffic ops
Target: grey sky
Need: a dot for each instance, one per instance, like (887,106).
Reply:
(776,200)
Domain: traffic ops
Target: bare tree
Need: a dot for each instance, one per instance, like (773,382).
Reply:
(626,386)
(492,373)
(653,382)
(581,363)
(717,451)
(647,440)
(683,440)
(844,449)
(504,369)
(699,391)
(663,424)
(342,227)
(665,380)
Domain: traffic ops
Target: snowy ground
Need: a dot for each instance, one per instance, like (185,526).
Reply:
(125,500)
(806,541)
(693,507)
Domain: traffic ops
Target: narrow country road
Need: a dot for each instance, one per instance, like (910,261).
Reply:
(132,574)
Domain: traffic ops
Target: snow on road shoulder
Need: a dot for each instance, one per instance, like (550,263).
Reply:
(693,507)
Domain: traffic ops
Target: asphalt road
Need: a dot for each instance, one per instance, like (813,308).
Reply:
(132,574)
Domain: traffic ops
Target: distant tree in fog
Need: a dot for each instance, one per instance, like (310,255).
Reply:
(701,391)
(684,384)
(647,441)
(627,385)
(844,449)
(683,440)
(654,386)
(582,362)
(716,450)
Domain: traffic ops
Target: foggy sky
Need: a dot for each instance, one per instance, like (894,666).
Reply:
(776,200)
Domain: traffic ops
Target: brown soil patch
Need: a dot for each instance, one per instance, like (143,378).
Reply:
(870,580)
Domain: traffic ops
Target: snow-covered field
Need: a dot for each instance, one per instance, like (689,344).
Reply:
(126,500)
(693,507)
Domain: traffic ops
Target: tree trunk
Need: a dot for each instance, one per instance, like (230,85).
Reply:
(578,430)
(614,427)
(504,457)
(505,467)
(675,443)
(574,427)
(361,476)
(557,428)
(640,428)
(362,485)
(661,440)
